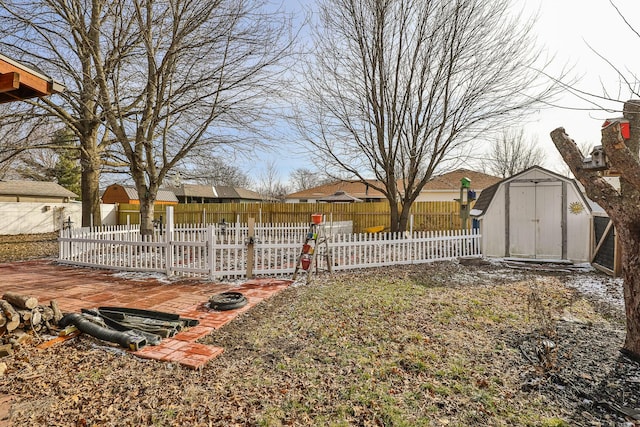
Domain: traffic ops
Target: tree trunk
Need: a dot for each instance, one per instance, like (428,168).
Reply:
(630,245)
(405,213)
(394,213)
(621,206)
(146,216)
(90,182)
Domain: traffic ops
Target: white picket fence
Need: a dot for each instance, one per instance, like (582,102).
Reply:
(213,252)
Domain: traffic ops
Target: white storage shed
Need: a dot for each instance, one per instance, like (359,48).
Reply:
(536,214)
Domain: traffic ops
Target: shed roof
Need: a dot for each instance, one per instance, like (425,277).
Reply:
(35,188)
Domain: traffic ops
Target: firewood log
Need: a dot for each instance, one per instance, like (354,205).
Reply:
(36,317)
(20,301)
(13,318)
(25,315)
(46,312)
(57,313)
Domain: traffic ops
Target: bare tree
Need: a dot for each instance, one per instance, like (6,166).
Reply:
(54,36)
(512,153)
(200,78)
(214,171)
(304,178)
(270,185)
(397,87)
(153,82)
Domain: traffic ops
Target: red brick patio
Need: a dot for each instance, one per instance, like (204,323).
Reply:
(76,288)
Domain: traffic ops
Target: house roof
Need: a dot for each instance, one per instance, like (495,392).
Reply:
(18,81)
(245,194)
(340,197)
(451,180)
(35,188)
(163,194)
(228,192)
(485,198)
(445,182)
(355,188)
(215,192)
(193,190)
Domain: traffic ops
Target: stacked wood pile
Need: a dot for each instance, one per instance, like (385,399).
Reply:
(21,316)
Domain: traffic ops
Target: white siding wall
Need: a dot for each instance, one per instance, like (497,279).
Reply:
(33,218)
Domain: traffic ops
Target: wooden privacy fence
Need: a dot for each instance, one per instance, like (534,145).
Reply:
(427,216)
(212,252)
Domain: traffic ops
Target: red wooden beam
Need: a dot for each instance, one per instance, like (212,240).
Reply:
(9,81)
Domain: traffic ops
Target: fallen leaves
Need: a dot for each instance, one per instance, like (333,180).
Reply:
(22,247)
(433,344)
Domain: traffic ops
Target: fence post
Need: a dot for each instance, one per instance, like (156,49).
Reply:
(168,240)
(211,251)
(250,247)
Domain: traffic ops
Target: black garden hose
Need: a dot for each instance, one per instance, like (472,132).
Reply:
(126,339)
(227,301)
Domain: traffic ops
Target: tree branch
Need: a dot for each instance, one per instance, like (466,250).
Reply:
(596,187)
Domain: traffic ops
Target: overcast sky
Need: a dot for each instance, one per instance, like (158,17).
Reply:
(566,28)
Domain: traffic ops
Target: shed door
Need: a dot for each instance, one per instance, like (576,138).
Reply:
(535,220)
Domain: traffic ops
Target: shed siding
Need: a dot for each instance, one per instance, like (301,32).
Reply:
(578,227)
(116,194)
(508,225)
(493,226)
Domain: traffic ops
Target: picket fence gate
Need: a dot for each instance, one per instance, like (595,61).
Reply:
(215,252)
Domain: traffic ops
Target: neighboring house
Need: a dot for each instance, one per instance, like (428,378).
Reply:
(195,193)
(34,192)
(357,189)
(536,214)
(116,193)
(18,81)
(445,187)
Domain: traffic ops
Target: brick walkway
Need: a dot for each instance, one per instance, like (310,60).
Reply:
(76,288)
